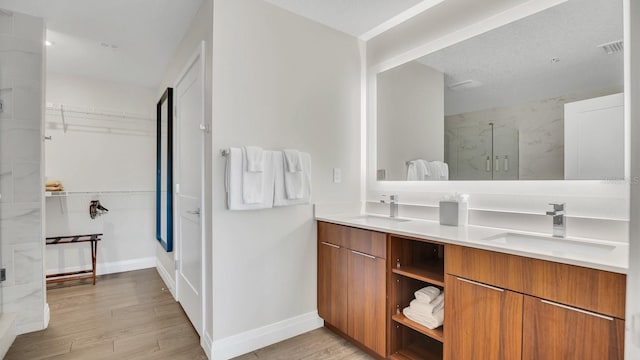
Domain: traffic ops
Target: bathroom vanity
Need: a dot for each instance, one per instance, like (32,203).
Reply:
(501,301)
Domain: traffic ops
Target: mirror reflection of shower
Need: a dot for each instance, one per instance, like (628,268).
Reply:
(482,152)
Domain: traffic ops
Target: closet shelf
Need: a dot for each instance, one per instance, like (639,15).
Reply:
(436,334)
(84,193)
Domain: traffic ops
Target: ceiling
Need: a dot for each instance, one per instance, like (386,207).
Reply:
(119,40)
(354,17)
(514,62)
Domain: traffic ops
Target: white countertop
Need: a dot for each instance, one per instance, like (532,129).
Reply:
(605,255)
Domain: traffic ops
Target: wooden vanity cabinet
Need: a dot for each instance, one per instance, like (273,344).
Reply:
(557,332)
(500,303)
(333,284)
(414,264)
(352,284)
(481,321)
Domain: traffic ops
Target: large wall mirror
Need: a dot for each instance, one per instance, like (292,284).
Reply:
(537,99)
(164,170)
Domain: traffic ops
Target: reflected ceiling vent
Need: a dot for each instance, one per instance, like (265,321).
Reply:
(613,47)
(464,85)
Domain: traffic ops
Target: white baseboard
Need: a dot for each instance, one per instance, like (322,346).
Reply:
(47,315)
(251,340)
(168,279)
(206,343)
(7,332)
(112,267)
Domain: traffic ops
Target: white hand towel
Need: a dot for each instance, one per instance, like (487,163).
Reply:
(280,196)
(293,179)
(431,322)
(412,174)
(293,160)
(234,181)
(252,182)
(428,309)
(254,158)
(427,294)
(423,170)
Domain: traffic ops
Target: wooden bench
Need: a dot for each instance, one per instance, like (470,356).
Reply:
(92,239)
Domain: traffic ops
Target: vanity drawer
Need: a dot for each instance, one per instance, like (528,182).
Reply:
(590,289)
(365,241)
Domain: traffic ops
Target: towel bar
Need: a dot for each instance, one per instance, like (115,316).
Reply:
(224,152)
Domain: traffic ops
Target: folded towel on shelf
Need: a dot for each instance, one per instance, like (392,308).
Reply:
(280,196)
(428,308)
(430,321)
(234,181)
(53,183)
(292,160)
(254,158)
(427,294)
(54,188)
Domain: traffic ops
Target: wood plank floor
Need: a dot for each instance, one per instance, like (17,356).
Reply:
(320,344)
(124,316)
(132,316)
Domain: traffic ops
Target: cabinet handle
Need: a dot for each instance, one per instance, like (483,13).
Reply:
(363,254)
(329,244)
(480,284)
(578,310)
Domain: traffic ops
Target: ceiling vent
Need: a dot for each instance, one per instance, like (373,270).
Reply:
(613,47)
(464,85)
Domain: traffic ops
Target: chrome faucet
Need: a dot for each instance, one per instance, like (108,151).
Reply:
(559,228)
(393,205)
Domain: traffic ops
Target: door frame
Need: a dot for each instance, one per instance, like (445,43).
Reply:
(199,54)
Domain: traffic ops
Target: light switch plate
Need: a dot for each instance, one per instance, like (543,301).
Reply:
(337,175)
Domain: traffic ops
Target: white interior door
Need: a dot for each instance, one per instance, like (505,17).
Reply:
(189,208)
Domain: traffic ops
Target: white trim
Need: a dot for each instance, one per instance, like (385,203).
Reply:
(113,267)
(168,281)
(7,332)
(206,343)
(251,340)
(400,18)
(198,55)
(47,315)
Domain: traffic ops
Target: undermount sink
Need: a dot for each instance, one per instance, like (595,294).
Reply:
(550,244)
(378,219)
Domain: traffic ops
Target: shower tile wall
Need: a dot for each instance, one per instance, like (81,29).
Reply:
(21,204)
(541,132)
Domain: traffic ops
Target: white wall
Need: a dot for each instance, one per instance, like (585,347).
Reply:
(280,81)
(99,153)
(201,29)
(21,240)
(410,102)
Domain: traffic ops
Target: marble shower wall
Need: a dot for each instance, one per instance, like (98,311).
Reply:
(540,125)
(21,188)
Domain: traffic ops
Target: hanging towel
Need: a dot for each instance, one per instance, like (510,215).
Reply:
(234,181)
(293,160)
(252,182)
(293,175)
(427,294)
(418,170)
(280,196)
(254,158)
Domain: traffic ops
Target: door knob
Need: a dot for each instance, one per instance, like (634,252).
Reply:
(194,212)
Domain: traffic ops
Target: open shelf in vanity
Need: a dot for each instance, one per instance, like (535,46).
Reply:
(413,264)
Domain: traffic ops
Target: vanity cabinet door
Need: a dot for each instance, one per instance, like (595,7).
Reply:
(367,301)
(554,331)
(481,321)
(332,284)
